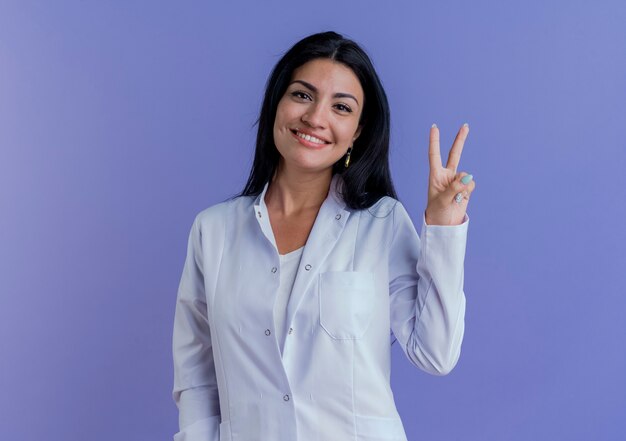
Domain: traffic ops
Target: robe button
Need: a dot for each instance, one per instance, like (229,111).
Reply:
(286,398)
(338,217)
(259,213)
(290,330)
(307,267)
(274,269)
(268,332)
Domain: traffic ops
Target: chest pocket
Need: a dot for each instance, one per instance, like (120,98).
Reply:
(346,303)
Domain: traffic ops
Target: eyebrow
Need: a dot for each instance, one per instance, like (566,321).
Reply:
(314,89)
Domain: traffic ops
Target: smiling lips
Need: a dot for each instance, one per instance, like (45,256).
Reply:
(311,139)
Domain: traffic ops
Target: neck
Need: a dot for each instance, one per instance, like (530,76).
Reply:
(292,192)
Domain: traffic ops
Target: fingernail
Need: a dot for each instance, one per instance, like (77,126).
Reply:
(434,126)
(466,125)
(466,179)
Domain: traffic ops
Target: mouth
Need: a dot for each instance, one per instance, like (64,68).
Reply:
(307,139)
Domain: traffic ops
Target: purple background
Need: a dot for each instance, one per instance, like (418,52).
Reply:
(119,121)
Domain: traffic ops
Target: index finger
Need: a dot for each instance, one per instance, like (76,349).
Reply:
(434,153)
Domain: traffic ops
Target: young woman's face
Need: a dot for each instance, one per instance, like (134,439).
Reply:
(324,99)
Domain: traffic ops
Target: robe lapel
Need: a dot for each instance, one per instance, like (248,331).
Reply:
(262,216)
(326,230)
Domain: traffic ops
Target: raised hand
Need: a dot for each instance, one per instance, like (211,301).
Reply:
(448,191)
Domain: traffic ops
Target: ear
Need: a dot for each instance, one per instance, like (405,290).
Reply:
(358,132)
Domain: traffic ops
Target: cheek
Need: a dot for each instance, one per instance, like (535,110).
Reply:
(348,132)
(279,119)
(282,116)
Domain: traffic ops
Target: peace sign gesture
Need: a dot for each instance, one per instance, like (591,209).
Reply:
(448,191)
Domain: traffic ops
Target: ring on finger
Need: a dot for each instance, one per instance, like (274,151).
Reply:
(460,196)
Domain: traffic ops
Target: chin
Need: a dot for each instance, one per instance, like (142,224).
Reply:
(309,166)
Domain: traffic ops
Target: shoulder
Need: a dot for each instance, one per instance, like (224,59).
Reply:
(217,214)
(384,208)
(388,213)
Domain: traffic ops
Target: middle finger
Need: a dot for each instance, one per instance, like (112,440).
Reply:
(457,147)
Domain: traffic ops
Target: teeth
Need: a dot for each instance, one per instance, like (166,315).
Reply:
(311,138)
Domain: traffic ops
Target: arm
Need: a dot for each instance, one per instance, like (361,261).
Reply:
(195,384)
(427,302)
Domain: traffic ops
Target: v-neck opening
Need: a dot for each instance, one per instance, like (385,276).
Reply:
(292,254)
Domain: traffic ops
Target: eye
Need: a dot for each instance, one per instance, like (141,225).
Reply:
(344,108)
(300,94)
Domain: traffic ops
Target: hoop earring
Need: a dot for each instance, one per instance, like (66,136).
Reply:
(347,163)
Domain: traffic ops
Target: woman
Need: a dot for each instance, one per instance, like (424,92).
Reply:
(290,289)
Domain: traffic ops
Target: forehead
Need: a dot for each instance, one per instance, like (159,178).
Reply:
(329,76)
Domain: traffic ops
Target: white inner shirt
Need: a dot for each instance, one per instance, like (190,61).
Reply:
(288,267)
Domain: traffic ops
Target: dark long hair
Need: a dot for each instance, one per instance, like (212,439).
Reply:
(368,178)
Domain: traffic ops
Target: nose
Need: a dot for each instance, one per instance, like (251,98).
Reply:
(314,116)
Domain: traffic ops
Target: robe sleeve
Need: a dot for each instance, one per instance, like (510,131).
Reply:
(427,302)
(195,390)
